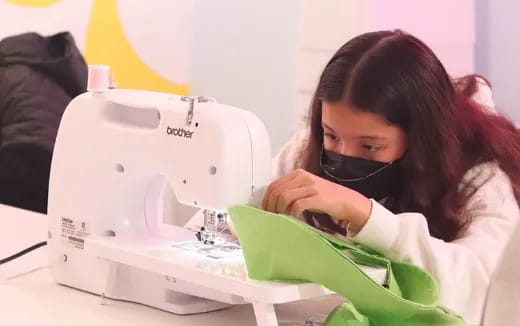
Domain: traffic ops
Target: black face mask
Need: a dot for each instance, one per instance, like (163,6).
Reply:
(373,179)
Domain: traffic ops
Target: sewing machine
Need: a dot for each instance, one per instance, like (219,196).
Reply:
(130,169)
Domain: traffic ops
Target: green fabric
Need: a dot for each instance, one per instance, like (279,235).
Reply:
(278,247)
(346,314)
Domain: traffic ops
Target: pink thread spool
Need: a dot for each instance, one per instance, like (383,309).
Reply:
(98,78)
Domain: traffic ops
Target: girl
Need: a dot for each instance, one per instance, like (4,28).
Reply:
(403,160)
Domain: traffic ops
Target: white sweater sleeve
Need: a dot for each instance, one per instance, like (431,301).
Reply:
(462,267)
(288,158)
(484,96)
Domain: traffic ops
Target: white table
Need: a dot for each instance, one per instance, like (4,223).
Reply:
(28,295)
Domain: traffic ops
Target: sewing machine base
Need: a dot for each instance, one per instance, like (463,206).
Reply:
(155,273)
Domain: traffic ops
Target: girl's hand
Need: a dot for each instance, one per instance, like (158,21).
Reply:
(301,190)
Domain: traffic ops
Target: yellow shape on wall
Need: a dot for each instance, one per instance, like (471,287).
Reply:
(108,45)
(33,3)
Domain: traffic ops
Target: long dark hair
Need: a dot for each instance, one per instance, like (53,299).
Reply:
(394,74)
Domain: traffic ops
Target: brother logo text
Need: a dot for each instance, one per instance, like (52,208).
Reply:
(179,132)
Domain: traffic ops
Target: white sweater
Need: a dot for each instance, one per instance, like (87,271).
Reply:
(462,267)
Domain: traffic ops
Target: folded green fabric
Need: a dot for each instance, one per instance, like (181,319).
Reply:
(281,248)
(346,314)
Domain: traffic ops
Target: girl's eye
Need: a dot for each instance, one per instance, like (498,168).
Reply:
(371,148)
(331,136)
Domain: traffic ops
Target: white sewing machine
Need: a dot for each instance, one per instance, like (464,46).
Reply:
(118,155)
(130,168)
